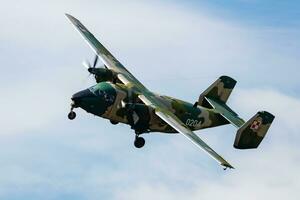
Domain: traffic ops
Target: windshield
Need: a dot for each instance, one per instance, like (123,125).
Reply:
(101,91)
(95,89)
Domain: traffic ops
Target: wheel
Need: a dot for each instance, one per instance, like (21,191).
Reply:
(113,122)
(139,142)
(71,115)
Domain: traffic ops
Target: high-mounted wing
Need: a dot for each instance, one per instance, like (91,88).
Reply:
(107,58)
(179,126)
(145,95)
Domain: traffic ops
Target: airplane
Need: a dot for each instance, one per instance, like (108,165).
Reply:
(119,97)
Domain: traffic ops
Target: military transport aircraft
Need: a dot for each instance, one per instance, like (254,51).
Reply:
(120,97)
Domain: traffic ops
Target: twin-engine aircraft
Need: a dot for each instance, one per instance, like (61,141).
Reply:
(119,97)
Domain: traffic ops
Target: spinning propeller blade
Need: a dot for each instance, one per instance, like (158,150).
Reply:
(95,61)
(86,64)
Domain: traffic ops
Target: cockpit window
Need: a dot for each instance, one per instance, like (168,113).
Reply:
(96,90)
(101,93)
(93,89)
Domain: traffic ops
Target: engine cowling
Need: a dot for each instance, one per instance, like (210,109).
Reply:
(102,74)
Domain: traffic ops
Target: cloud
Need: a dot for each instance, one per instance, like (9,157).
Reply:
(173,50)
(270,171)
(93,164)
(51,63)
(284,107)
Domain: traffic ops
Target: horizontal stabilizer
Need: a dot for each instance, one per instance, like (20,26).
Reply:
(250,135)
(226,112)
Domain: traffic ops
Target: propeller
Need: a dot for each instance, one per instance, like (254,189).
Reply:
(100,73)
(90,67)
(95,61)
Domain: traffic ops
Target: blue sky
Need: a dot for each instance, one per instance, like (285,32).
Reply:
(253,12)
(176,48)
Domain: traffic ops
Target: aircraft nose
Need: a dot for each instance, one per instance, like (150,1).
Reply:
(82,94)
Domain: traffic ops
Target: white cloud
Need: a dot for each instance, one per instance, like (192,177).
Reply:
(154,40)
(270,171)
(168,167)
(49,50)
(284,107)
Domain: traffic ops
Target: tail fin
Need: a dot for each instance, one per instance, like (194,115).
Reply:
(250,135)
(220,90)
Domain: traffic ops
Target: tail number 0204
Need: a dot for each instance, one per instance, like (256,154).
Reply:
(192,122)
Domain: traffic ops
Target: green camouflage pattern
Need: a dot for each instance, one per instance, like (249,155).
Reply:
(110,106)
(251,134)
(126,100)
(226,112)
(219,90)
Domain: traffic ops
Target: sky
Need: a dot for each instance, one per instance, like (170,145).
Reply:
(177,48)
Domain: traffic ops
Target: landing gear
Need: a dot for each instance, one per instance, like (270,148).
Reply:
(113,122)
(139,142)
(72,115)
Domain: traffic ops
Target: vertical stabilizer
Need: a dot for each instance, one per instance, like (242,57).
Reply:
(220,90)
(250,135)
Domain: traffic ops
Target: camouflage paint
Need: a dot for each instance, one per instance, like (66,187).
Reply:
(107,103)
(251,134)
(146,111)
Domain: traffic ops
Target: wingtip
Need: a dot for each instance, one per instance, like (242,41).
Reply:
(68,16)
(227,165)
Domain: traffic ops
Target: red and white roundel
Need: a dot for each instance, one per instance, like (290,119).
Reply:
(255,125)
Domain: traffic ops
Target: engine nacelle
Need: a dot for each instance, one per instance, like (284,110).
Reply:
(102,74)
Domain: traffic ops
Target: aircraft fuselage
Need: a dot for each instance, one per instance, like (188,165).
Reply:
(120,104)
